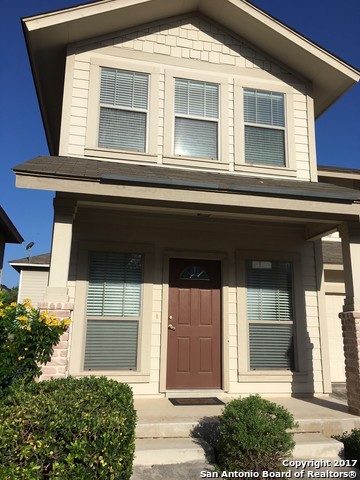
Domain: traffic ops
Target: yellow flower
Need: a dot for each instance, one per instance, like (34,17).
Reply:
(13,304)
(27,303)
(26,348)
(23,318)
(28,329)
(21,358)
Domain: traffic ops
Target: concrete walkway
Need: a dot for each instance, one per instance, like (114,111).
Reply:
(196,471)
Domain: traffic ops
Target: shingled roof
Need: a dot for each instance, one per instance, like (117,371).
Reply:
(37,261)
(91,170)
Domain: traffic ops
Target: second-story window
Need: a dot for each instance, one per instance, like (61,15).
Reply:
(196,119)
(123,109)
(264,117)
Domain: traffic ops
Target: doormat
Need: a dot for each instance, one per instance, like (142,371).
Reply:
(190,402)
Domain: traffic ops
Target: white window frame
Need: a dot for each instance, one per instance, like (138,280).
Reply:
(240,84)
(222,162)
(116,318)
(266,126)
(144,111)
(79,326)
(92,147)
(200,118)
(245,373)
(268,264)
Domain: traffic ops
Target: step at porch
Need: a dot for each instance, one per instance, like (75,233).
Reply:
(167,434)
(168,451)
(316,446)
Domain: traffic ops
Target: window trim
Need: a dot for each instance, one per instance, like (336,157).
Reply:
(200,118)
(116,318)
(289,169)
(76,363)
(245,373)
(92,147)
(267,126)
(222,162)
(272,322)
(129,109)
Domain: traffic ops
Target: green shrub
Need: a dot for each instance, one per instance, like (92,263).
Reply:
(68,429)
(253,435)
(351,443)
(27,340)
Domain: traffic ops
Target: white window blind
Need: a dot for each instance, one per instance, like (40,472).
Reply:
(113,310)
(270,314)
(196,118)
(111,345)
(123,109)
(264,117)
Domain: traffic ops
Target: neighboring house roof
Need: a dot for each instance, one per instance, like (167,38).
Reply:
(164,177)
(332,252)
(353,172)
(48,35)
(345,177)
(37,261)
(11,235)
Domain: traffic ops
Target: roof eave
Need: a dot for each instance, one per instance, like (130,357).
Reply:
(11,233)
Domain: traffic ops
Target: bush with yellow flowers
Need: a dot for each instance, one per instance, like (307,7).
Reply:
(27,340)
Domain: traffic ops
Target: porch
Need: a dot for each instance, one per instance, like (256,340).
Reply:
(168,434)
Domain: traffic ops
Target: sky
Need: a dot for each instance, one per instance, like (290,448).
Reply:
(331,24)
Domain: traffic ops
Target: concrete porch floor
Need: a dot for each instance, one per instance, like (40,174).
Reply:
(325,414)
(163,428)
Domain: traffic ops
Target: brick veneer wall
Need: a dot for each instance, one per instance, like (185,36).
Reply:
(58,366)
(351,334)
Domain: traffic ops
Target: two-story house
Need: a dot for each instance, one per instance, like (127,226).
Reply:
(188,212)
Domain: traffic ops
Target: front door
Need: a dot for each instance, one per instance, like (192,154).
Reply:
(194,324)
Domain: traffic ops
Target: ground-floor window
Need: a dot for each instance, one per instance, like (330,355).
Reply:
(270,314)
(114,298)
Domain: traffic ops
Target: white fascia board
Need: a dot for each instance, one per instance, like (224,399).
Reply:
(34,265)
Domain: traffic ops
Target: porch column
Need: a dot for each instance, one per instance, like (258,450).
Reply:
(64,213)
(56,299)
(350,317)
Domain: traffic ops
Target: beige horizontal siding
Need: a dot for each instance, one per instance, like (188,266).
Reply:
(32,285)
(189,42)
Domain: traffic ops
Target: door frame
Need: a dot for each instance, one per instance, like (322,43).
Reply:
(223,258)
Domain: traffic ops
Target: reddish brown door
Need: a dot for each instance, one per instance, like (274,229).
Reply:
(194,338)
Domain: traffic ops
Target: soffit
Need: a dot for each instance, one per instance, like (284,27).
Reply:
(48,35)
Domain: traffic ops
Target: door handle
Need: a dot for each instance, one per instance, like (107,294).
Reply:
(171,327)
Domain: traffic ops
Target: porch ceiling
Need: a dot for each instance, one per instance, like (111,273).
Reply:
(323,206)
